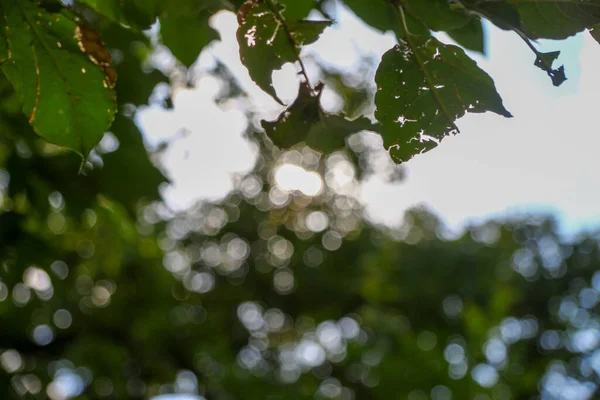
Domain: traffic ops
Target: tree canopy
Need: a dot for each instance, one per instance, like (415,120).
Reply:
(272,292)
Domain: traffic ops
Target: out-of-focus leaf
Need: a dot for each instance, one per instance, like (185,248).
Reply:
(423,87)
(267,41)
(557,19)
(138,14)
(305,121)
(62,74)
(470,36)
(186,36)
(136,83)
(436,14)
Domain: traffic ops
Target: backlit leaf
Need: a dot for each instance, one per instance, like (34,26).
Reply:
(423,87)
(267,41)
(61,73)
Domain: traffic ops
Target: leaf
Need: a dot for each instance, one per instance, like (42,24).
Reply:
(436,14)
(186,36)
(307,32)
(267,41)
(305,121)
(423,87)
(470,36)
(502,14)
(138,14)
(383,16)
(544,62)
(557,19)
(61,73)
(595,32)
(297,9)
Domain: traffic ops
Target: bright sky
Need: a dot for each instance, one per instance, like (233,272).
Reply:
(543,159)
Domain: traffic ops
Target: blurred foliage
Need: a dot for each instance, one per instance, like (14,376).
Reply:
(272,292)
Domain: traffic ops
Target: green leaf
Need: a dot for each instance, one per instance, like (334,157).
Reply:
(186,36)
(306,32)
(544,62)
(470,36)
(267,41)
(61,73)
(423,87)
(297,9)
(557,19)
(436,14)
(138,14)
(502,14)
(595,32)
(305,121)
(383,16)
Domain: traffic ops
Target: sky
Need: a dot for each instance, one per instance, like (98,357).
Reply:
(542,160)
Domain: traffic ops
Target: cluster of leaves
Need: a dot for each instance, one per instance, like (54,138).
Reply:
(63,75)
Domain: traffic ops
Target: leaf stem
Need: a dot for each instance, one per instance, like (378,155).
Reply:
(424,70)
(291,40)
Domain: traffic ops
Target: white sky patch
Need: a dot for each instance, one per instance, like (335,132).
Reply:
(207,147)
(291,177)
(543,159)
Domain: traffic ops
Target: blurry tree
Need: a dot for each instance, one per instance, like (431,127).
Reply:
(274,293)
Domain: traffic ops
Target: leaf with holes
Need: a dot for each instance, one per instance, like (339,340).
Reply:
(61,74)
(267,41)
(423,87)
